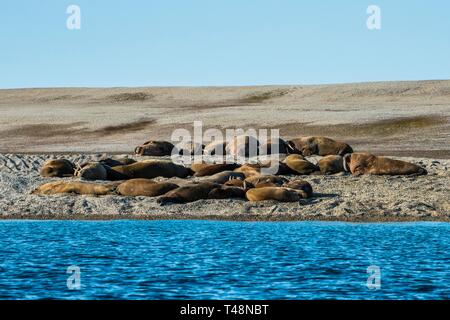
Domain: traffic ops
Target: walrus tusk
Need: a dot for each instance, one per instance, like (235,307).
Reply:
(77,169)
(344,162)
(290,146)
(137,150)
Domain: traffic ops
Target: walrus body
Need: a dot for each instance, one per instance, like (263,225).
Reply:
(271,167)
(262,180)
(152,169)
(224,176)
(243,146)
(331,164)
(300,165)
(154,148)
(114,162)
(303,188)
(249,169)
(272,193)
(321,146)
(188,193)
(76,187)
(92,171)
(144,187)
(364,163)
(207,169)
(274,146)
(57,168)
(226,192)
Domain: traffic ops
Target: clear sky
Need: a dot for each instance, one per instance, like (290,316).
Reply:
(221,42)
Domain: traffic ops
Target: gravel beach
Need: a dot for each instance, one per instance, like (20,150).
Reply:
(340,197)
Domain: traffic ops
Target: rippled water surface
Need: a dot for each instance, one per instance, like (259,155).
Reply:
(223,260)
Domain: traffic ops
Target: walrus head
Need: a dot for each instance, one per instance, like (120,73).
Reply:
(154,148)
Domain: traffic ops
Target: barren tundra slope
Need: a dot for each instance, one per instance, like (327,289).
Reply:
(390,118)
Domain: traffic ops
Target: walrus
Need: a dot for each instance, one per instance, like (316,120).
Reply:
(365,163)
(150,169)
(144,187)
(299,164)
(113,162)
(272,193)
(76,187)
(271,145)
(271,167)
(302,187)
(208,169)
(224,176)
(92,171)
(57,168)
(249,169)
(265,180)
(331,164)
(281,167)
(226,192)
(321,146)
(215,148)
(243,145)
(154,148)
(188,193)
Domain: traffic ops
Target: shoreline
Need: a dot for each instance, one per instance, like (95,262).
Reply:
(232,218)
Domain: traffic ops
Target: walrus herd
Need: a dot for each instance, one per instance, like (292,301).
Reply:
(128,177)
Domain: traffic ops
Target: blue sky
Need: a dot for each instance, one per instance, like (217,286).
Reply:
(221,42)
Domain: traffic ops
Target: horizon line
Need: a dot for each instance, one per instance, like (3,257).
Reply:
(224,86)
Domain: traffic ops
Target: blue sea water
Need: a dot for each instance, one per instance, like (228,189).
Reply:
(223,260)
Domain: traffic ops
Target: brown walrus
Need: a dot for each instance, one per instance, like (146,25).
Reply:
(57,168)
(299,164)
(113,162)
(226,192)
(265,180)
(92,171)
(274,146)
(76,187)
(188,193)
(224,176)
(303,187)
(208,169)
(321,146)
(243,145)
(331,164)
(144,187)
(150,169)
(255,169)
(281,169)
(249,169)
(154,148)
(365,163)
(272,193)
